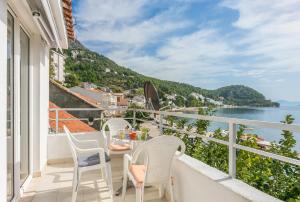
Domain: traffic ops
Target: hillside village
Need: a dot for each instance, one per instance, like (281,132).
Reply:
(103,96)
(82,65)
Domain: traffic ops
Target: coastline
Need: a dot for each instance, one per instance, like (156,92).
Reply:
(195,109)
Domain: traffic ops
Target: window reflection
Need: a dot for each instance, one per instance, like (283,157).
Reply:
(10,118)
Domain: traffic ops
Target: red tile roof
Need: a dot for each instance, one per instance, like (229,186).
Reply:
(75,126)
(67,9)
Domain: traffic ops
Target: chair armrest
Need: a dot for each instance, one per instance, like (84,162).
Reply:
(105,142)
(127,162)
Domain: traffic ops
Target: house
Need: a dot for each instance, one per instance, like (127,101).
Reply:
(28,30)
(57,62)
(198,96)
(138,100)
(75,53)
(121,100)
(171,97)
(88,85)
(100,98)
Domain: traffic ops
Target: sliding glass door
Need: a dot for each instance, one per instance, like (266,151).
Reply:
(10,107)
(24,108)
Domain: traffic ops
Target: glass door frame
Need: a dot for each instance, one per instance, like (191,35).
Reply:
(18,25)
(22,29)
(12,105)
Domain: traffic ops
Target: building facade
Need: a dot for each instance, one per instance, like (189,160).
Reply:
(57,64)
(28,29)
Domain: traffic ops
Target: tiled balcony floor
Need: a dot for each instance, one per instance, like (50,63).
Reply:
(55,185)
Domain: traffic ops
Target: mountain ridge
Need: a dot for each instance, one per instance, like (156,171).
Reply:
(84,65)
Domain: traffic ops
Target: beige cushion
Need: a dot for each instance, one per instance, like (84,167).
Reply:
(119,147)
(138,172)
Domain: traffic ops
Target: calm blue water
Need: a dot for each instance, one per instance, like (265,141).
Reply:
(263,114)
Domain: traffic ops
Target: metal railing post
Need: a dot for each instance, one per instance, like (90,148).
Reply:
(232,149)
(161,130)
(134,118)
(56,120)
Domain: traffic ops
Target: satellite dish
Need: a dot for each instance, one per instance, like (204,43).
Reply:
(151,96)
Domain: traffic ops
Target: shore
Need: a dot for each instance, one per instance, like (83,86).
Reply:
(195,109)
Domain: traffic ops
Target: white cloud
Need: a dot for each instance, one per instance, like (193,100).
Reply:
(272,33)
(121,22)
(107,11)
(262,45)
(187,58)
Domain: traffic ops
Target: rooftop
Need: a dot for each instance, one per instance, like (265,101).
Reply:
(74,126)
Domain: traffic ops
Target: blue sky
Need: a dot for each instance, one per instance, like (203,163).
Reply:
(206,43)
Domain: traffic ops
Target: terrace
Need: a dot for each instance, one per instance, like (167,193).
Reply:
(193,179)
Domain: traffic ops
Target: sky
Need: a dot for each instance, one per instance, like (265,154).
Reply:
(206,43)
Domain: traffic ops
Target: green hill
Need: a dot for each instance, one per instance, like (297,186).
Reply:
(243,96)
(83,65)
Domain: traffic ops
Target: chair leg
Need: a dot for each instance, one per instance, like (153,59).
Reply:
(142,193)
(109,178)
(124,187)
(75,184)
(161,190)
(171,189)
(139,194)
(102,173)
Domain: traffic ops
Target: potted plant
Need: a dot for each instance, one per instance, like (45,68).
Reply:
(144,134)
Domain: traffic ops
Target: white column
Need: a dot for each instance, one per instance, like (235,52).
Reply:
(3,86)
(35,103)
(44,104)
(40,98)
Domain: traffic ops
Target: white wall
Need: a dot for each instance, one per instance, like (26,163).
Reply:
(195,181)
(58,147)
(3,66)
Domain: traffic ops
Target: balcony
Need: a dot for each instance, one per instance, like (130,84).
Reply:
(55,185)
(193,179)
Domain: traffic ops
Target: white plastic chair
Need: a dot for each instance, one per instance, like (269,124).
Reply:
(88,156)
(157,155)
(115,125)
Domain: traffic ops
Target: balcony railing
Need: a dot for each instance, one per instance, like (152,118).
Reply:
(160,122)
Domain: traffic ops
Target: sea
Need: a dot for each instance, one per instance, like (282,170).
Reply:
(263,114)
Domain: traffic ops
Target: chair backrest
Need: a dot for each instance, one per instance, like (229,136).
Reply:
(71,144)
(115,125)
(158,156)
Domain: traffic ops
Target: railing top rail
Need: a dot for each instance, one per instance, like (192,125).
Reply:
(88,109)
(263,124)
